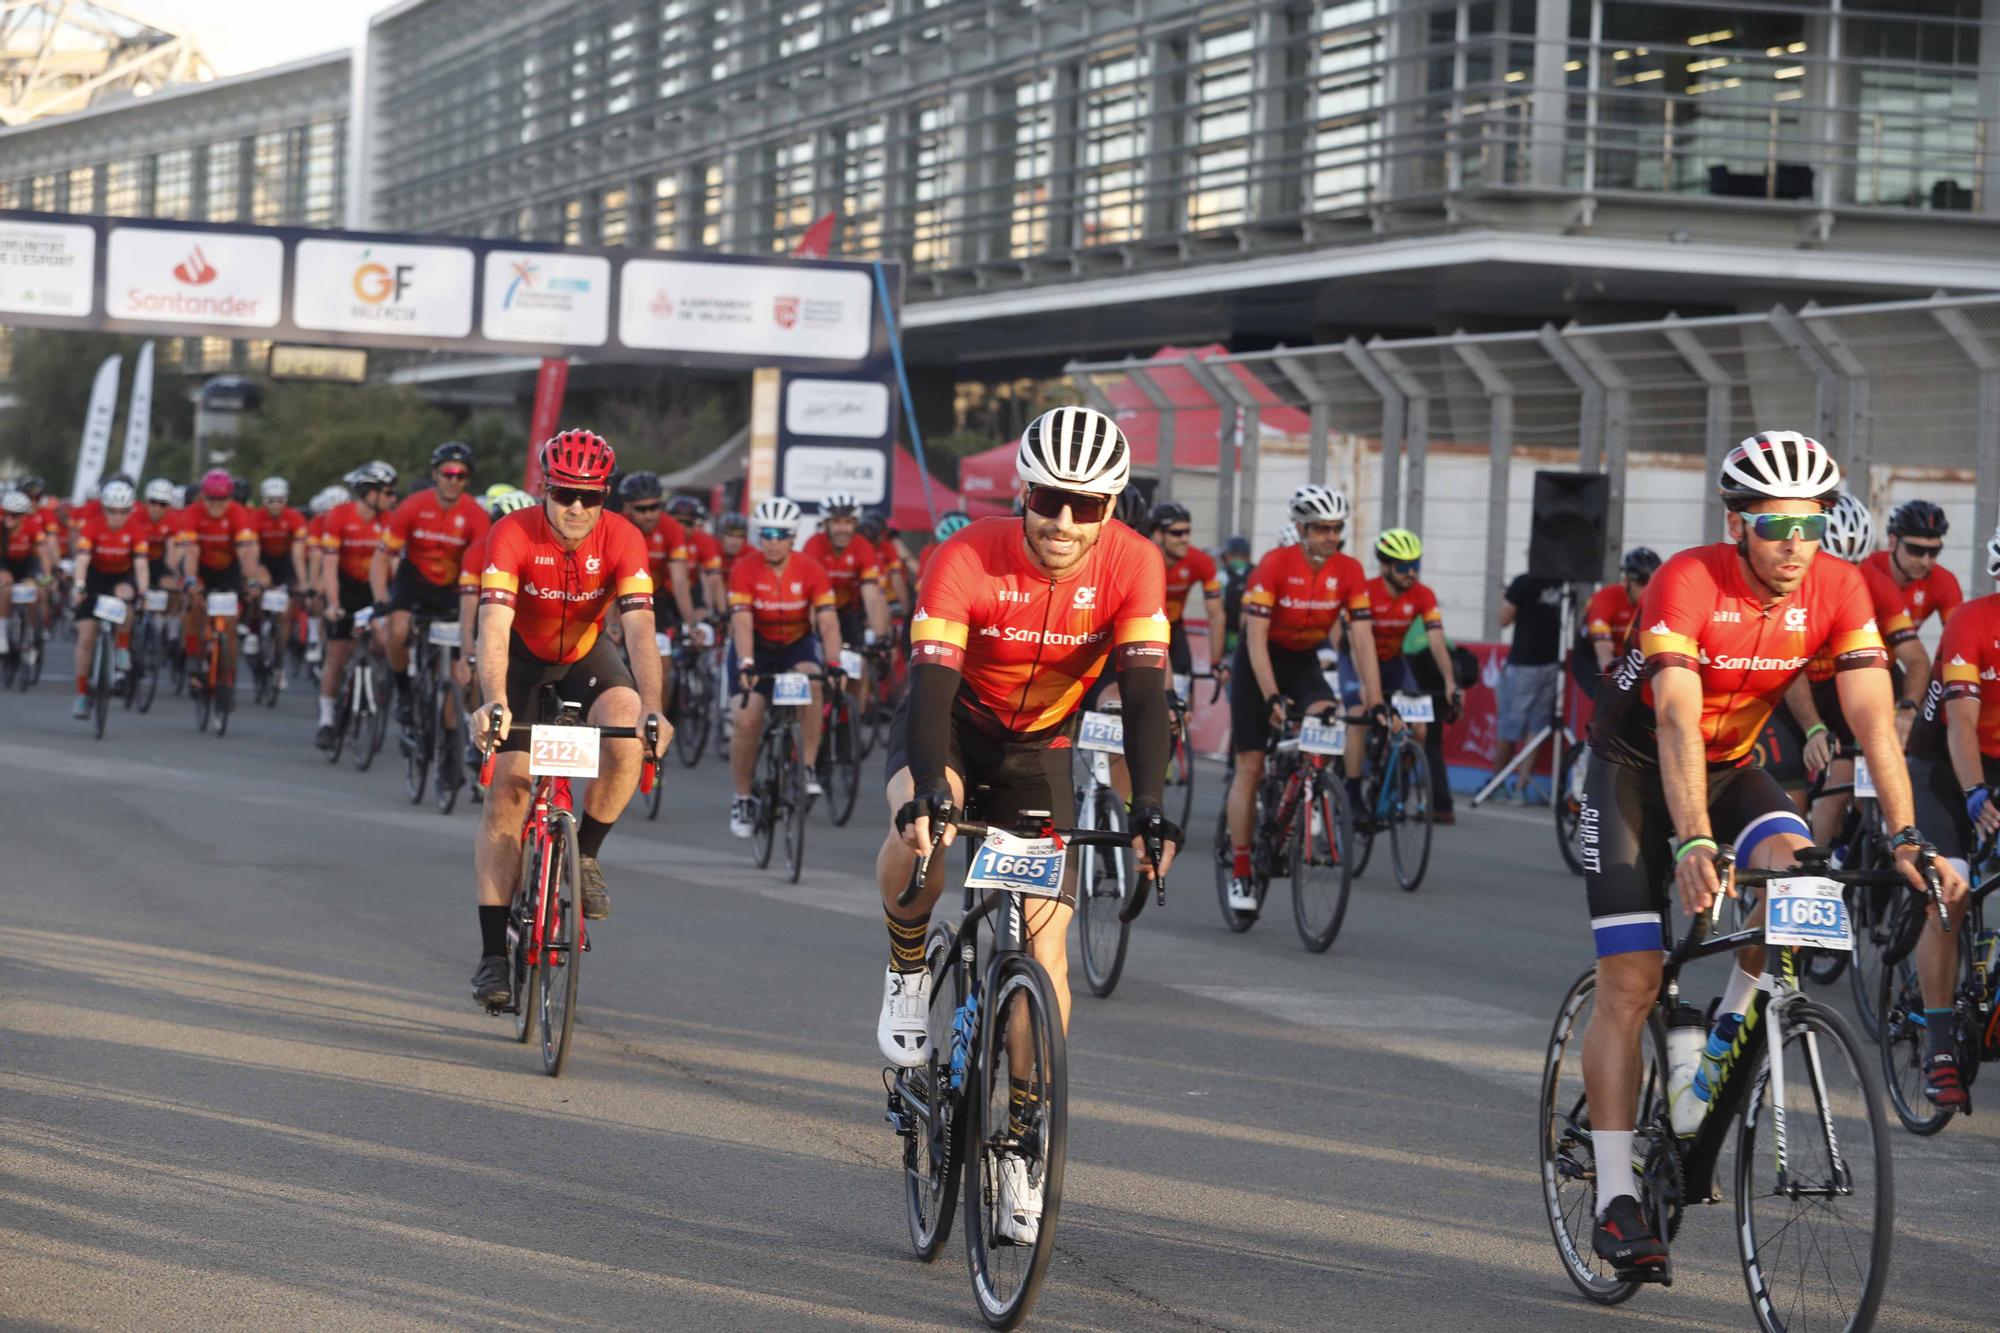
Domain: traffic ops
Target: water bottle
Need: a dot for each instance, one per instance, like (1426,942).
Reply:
(1986,949)
(1687,1035)
(962,1024)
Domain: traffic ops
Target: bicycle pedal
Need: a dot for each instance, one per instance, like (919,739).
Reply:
(1660,1274)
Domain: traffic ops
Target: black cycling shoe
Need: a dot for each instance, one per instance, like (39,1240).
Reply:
(324,738)
(596,902)
(491,986)
(405,710)
(1625,1239)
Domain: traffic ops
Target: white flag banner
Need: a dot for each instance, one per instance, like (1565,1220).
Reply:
(96,429)
(139,416)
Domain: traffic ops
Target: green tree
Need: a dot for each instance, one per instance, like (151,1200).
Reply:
(315,433)
(51,378)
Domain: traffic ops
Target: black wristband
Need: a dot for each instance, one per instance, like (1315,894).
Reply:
(1910,704)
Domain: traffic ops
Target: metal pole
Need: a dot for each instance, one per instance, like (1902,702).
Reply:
(1392,426)
(1986,440)
(1164,406)
(1715,422)
(1590,399)
(1320,406)
(1500,400)
(1826,380)
(1617,437)
(1225,439)
(1854,439)
(1416,431)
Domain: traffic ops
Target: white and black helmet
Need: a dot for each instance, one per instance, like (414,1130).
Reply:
(1074,449)
(17,502)
(775,511)
(275,488)
(1850,530)
(1288,535)
(1993,554)
(1778,465)
(839,503)
(118,495)
(1318,504)
(160,491)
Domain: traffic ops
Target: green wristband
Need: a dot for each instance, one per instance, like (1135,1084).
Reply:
(1815,729)
(1680,852)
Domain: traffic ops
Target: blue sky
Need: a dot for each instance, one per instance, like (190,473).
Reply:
(242,35)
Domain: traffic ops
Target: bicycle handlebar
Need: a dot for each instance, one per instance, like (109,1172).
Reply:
(490,739)
(1811,861)
(1071,837)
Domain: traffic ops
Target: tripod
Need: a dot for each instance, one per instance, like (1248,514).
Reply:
(1556,733)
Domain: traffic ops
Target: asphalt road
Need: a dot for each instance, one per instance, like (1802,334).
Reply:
(242,1082)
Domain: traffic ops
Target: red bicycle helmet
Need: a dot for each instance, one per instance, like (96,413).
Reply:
(579,459)
(217,484)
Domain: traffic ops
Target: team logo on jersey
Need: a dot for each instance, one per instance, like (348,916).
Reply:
(1086,598)
(1795,618)
(797,587)
(1958,659)
(1917,597)
(920,615)
(1660,628)
(990,631)
(1724,618)
(591,564)
(1013,595)
(458,520)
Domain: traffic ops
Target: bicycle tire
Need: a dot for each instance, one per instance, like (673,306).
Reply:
(1410,820)
(521,925)
(418,742)
(1101,883)
(1824,1032)
(1225,869)
(225,707)
(1180,767)
(1569,808)
(843,765)
(697,705)
(561,964)
(1566,1165)
(764,801)
(449,764)
(931,1170)
(103,661)
(796,804)
(378,718)
(1324,849)
(1904,1045)
(1004,1287)
(203,695)
(151,666)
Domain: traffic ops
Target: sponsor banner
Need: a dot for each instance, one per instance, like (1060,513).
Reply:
(347,364)
(813,472)
(534,297)
(551,382)
(412,291)
(745,309)
(194,277)
(96,429)
(139,416)
(848,409)
(47,268)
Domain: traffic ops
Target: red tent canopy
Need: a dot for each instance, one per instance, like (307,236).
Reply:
(908,513)
(1196,422)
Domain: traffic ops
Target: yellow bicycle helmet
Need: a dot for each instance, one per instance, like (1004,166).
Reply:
(1399,544)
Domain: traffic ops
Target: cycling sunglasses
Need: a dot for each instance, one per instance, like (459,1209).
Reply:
(650,507)
(1050,502)
(1780,527)
(1178,533)
(566,496)
(1405,566)
(774,534)
(1923,552)
(454,473)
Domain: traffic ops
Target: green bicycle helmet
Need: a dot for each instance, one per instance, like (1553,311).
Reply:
(1399,544)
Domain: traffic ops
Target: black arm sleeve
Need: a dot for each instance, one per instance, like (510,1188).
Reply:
(1142,702)
(928,745)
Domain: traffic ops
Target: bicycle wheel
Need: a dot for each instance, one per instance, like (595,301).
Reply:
(418,743)
(1569,808)
(360,723)
(1180,770)
(450,760)
(378,717)
(842,762)
(1322,831)
(146,665)
(1568,1160)
(697,701)
(1225,868)
(521,934)
(1900,1003)
(1101,880)
(796,804)
(562,948)
(764,792)
(225,706)
(1815,1238)
(1020,1050)
(933,1149)
(1410,816)
(103,657)
(202,691)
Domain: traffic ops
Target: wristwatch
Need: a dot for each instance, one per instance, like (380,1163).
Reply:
(1908,837)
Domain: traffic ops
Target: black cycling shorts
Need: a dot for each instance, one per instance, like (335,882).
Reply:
(1298,677)
(1180,657)
(355,594)
(279,567)
(24,570)
(769,659)
(227,579)
(853,624)
(1940,804)
(411,591)
(580,682)
(1626,841)
(97,583)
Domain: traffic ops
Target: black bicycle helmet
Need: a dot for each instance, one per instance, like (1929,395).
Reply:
(687,508)
(1640,562)
(640,486)
(239,490)
(451,451)
(1131,507)
(1237,545)
(1918,518)
(734,522)
(1167,513)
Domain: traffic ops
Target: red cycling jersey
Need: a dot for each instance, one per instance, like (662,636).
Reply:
(1394,613)
(1890,618)
(432,535)
(781,601)
(55,515)
(1607,617)
(704,551)
(1936,593)
(559,595)
(472,562)
(1196,567)
(158,534)
(216,536)
(847,568)
(24,536)
(276,532)
(351,539)
(1700,612)
(668,541)
(1028,646)
(1968,667)
(1302,602)
(111,549)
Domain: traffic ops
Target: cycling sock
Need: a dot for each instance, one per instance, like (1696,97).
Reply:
(590,835)
(492,930)
(325,711)
(906,942)
(1736,998)
(125,639)
(1020,1106)
(1613,1150)
(83,684)
(1353,792)
(1938,1037)
(1240,862)
(402,679)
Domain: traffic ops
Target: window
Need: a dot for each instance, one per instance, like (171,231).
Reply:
(1347,94)
(124,183)
(863,158)
(42,195)
(1034,162)
(1220,158)
(613,217)
(930,244)
(667,213)
(791,191)
(1113,172)
(173,184)
(324,143)
(225,202)
(711,206)
(268,178)
(83,190)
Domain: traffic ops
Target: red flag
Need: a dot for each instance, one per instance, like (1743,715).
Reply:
(817,240)
(550,382)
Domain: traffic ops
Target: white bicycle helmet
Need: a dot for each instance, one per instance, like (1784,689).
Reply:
(1993,555)
(275,488)
(1850,530)
(17,502)
(1074,449)
(775,511)
(160,491)
(839,503)
(1288,535)
(1778,465)
(117,495)
(1318,504)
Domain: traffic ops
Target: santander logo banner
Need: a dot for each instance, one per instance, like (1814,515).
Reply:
(194,277)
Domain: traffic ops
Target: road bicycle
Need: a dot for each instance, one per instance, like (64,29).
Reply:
(1975,1003)
(1396,794)
(546,933)
(992,1100)
(149,650)
(1814,1186)
(693,709)
(431,738)
(21,661)
(212,678)
(884,691)
(261,647)
(110,613)
(1103,874)
(839,759)
(1181,757)
(1862,842)
(778,779)
(1303,829)
(360,715)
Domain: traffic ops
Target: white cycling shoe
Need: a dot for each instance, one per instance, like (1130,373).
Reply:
(904,1029)
(739,817)
(812,785)
(1020,1201)
(1242,896)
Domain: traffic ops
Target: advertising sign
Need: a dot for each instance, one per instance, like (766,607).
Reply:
(194,277)
(414,291)
(96,429)
(750,310)
(815,471)
(46,267)
(139,416)
(850,409)
(544,298)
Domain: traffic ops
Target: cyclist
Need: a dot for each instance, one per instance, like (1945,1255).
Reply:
(111,547)
(949,524)
(349,537)
(1295,597)
(667,549)
(777,597)
(1237,562)
(322,504)
(552,573)
(501,500)
(1917,530)
(424,539)
(898,566)
(161,524)
(1170,525)
(1607,617)
(1014,617)
(281,540)
(1726,628)
(705,568)
(855,571)
(1954,767)
(219,553)
(30,559)
(1396,602)
(55,516)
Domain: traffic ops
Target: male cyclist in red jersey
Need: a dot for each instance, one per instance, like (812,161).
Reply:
(424,539)
(281,543)
(1916,541)
(552,573)
(1607,616)
(1171,527)
(778,598)
(1814,698)
(1954,767)
(30,562)
(707,575)
(349,538)
(1724,630)
(855,570)
(667,549)
(1295,599)
(1397,601)
(218,554)
(501,500)
(111,562)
